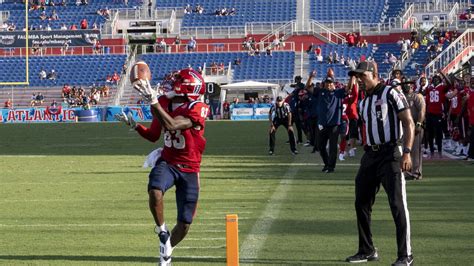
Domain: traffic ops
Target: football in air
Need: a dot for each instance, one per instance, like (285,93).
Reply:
(140,70)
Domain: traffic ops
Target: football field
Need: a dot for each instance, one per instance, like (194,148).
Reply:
(75,194)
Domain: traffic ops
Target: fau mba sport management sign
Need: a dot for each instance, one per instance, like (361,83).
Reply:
(14,39)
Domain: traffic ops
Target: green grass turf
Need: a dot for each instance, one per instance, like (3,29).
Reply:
(75,194)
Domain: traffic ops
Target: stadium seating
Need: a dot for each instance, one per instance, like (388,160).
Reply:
(280,66)
(69,14)
(340,71)
(74,70)
(336,10)
(247,11)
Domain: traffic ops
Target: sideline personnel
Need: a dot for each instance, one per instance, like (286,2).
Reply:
(384,111)
(280,115)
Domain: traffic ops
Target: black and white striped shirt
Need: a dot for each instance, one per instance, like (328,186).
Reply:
(281,112)
(379,111)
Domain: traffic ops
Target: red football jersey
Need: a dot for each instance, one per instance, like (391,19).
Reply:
(184,148)
(435,98)
(455,103)
(345,104)
(352,100)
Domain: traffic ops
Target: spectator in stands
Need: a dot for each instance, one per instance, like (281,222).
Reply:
(335,57)
(95,97)
(161,47)
(364,44)
(319,58)
(33,99)
(94,26)
(48,27)
(39,99)
(150,5)
(350,38)
(199,9)
(232,12)
(52,75)
(141,101)
(268,52)
(66,91)
(54,16)
(424,41)
(105,91)
(276,43)
(191,45)
(414,46)
(342,60)
(115,78)
(317,51)
(84,24)
(329,58)
(213,68)
(237,61)
(43,16)
(42,74)
(73,27)
(54,104)
(63,27)
(188,9)
(220,68)
(63,3)
(4,26)
(35,49)
(96,47)
(8,103)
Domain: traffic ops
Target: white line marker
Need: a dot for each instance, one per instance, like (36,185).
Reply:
(258,235)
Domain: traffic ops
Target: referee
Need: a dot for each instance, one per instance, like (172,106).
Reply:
(280,115)
(387,119)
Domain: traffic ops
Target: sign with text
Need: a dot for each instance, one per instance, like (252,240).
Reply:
(48,38)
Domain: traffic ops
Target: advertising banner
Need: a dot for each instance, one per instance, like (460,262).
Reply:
(139,112)
(11,39)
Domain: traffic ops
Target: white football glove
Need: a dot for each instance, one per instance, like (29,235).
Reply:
(127,120)
(143,87)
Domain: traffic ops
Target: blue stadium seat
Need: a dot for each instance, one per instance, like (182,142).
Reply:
(279,67)
(74,70)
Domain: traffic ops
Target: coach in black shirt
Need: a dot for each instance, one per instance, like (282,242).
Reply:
(386,115)
(280,115)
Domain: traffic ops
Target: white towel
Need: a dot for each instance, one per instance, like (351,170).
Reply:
(151,159)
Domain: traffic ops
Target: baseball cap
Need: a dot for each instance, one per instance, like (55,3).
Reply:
(362,67)
(329,80)
(279,99)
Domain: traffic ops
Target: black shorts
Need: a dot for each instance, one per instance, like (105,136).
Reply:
(353,129)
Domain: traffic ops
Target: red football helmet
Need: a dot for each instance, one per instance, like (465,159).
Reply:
(186,82)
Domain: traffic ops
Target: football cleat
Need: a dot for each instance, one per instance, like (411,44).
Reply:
(341,157)
(360,258)
(403,261)
(270,152)
(165,246)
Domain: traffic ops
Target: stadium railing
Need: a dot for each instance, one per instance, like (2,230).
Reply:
(460,49)
(214,47)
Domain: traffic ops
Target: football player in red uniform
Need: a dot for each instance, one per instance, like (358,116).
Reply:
(435,99)
(181,116)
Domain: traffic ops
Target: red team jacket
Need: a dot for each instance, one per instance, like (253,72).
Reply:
(183,148)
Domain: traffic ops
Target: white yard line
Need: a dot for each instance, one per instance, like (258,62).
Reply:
(255,240)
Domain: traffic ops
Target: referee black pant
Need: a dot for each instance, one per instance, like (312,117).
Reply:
(434,126)
(291,134)
(382,167)
(331,134)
